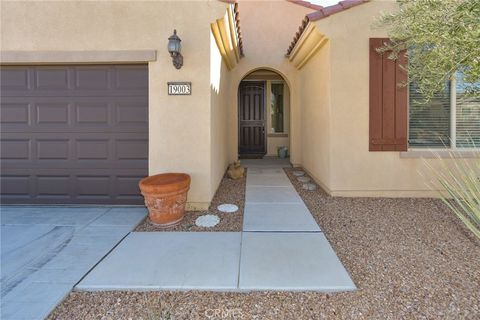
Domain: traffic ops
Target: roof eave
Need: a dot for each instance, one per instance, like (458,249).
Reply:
(306,4)
(321,14)
(339,7)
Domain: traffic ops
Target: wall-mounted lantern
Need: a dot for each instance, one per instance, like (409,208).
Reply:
(174,48)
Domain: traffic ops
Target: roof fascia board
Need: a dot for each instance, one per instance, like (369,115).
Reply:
(301,41)
(220,43)
(312,52)
(307,45)
(233,33)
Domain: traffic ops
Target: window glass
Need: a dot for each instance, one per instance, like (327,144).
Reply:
(277,107)
(429,123)
(468,117)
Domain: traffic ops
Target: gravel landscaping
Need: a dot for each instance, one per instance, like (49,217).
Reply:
(410,259)
(229,191)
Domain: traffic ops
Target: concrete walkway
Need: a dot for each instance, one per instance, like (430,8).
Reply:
(45,251)
(281,248)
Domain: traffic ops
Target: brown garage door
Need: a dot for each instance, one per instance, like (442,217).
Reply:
(73,134)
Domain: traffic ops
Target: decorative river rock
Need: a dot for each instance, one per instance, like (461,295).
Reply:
(309,186)
(298,173)
(207,221)
(303,179)
(228,208)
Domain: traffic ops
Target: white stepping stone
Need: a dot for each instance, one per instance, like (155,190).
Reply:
(298,173)
(309,186)
(303,179)
(207,221)
(227,208)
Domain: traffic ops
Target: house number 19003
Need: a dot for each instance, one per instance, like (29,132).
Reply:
(179,88)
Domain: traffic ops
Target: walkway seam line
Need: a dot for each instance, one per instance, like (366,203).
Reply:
(240,259)
(98,262)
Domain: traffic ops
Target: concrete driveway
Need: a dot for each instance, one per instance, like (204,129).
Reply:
(45,251)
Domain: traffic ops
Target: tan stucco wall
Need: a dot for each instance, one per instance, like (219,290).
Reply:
(219,87)
(354,171)
(315,93)
(180,129)
(198,134)
(267,29)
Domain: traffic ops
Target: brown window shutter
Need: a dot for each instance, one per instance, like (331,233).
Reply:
(388,100)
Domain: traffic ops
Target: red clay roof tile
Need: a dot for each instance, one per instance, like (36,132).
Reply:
(320,14)
(236,16)
(327,11)
(239,31)
(306,4)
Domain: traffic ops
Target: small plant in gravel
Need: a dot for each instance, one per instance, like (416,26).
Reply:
(460,178)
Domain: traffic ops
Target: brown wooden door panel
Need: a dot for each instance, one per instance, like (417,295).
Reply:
(251,118)
(73,134)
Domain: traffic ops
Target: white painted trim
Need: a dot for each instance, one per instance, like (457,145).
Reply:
(300,42)
(453,112)
(106,56)
(442,154)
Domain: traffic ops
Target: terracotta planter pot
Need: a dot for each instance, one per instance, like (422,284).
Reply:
(165,197)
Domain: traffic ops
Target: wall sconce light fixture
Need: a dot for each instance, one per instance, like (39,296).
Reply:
(174,48)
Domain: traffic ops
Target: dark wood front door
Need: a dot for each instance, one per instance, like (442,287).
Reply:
(251,119)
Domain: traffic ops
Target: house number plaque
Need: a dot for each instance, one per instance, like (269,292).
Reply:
(179,88)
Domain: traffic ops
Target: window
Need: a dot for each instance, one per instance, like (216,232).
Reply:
(467,133)
(429,123)
(277,107)
(448,120)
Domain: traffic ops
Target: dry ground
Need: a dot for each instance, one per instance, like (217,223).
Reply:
(410,259)
(229,191)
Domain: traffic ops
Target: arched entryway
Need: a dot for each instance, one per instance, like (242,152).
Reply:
(263,114)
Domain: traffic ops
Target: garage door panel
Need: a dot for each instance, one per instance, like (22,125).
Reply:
(53,149)
(74,114)
(16,185)
(15,149)
(15,113)
(74,81)
(117,93)
(89,149)
(131,114)
(92,113)
(127,186)
(93,186)
(53,185)
(15,79)
(92,78)
(51,78)
(47,114)
(74,150)
(128,77)
(73,186)
(132,149)
(76,134)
